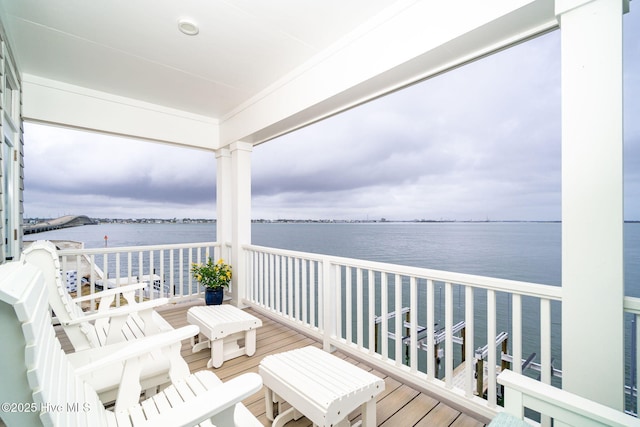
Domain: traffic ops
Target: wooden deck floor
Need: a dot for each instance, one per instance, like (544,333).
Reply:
(399,405)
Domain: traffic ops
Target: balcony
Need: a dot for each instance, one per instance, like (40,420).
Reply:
(480,324)
(399,404)
(456,323)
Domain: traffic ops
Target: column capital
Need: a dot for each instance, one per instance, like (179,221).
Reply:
(223,152)
(241,146)
(564,6)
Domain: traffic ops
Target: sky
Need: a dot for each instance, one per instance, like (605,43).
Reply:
(480,142)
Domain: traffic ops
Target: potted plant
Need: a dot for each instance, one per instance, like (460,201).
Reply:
(214,277)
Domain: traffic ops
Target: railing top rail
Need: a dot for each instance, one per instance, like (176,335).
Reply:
(501,285)
(116,249)
(632,305)
(286,252)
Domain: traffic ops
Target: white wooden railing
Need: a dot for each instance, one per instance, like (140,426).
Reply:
(352,304)
(340,301)
(165,268)
(632,332)
(564,408)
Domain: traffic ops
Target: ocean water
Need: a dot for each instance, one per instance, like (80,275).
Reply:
(519,251)
(528,252)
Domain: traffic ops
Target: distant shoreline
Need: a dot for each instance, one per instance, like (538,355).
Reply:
(28,221)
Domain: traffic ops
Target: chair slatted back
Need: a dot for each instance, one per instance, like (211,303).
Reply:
(84,335)
(60,397)
(43,254)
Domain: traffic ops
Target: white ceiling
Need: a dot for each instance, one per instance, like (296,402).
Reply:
(133,48)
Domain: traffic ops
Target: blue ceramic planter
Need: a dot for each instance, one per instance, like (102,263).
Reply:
(213,296)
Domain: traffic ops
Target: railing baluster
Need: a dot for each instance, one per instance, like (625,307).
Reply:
(372,311)
(105,271)
(545,340)
(296,288)
(140,273)
(448,329)
(347,306)
(282,283)
(259,279)
(151,276)
(491,341)
(398,319)
(129,268)
(161,292)
(431,322)
(259,272)
(384,306)
(271,272)
(545,348)
(92,281)
(290,287)
(257,276)
(316,289)
(516,334)
(305,284)
(252,267)
(171,274)
(329,306)
(117,278)
(359,308)
(413,333)
(278,276)
(181,263)
(469,341)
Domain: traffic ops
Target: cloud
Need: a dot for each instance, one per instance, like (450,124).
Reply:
(88,173)
(482,141)
(442,148)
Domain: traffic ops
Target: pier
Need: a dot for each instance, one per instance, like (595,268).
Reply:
(57,223)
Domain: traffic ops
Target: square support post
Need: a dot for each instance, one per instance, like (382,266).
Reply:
(592,199)
(241,214)
(224,214)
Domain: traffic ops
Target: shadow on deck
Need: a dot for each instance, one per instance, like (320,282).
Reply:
(398,405)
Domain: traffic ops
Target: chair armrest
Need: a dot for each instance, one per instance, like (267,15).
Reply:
(124,310)
(110,292)
(139,347)
(213,402)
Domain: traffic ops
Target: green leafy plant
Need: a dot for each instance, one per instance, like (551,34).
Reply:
(212,275)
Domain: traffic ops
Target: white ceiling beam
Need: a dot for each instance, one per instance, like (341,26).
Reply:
(53,102)
(414,41)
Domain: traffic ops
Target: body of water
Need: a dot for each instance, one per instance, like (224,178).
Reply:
(529,252)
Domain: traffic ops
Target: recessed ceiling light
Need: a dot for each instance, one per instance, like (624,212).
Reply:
(188,27)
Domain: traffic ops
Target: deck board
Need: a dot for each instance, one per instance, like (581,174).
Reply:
(397,405)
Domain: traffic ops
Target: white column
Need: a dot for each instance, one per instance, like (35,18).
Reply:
(224,214)
(592,199)
(241,213)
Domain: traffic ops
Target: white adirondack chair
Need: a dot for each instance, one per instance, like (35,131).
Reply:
(106,326)
(41,387)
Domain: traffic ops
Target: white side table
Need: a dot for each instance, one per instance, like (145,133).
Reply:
(318,385)
(224,326)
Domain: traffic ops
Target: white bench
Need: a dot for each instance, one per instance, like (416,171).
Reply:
(318,385)
(224,327)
